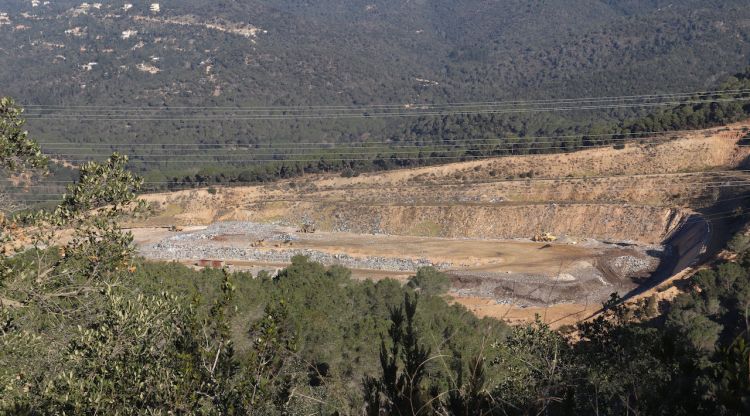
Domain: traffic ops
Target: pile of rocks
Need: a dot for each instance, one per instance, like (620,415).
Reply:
(633,266)
(170,250)
(253,230)
(198,246)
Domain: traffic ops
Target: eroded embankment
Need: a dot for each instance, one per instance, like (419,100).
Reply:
(687,244)
(603,222)
(618,222)
(602,193)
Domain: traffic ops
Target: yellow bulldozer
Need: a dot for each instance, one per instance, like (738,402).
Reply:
(544,237)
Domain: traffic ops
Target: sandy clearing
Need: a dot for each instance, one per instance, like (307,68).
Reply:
(485,255)
(554,315)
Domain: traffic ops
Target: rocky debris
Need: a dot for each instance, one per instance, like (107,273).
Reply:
(197,245)
(251,230)
(577,283)
(614,268)
(565,277)
(565,239)
(172,250)
(630,265)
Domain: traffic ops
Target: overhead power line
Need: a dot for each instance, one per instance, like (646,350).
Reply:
(401,105)
(463,157)
(296,145)
(365,115)
(509,149)
(709,176)
(367,151)
(713,216)
(524,189)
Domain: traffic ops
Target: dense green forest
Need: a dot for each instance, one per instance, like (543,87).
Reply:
(427,141)
(368,52)
(346,53)
(86,327)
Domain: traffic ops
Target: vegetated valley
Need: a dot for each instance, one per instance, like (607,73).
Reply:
(374,208)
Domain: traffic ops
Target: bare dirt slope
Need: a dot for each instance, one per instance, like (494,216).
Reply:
(461,216)
(486,199)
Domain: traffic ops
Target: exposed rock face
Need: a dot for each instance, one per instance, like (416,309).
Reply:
(604,222)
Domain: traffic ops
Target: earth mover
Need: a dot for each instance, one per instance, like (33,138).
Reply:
(544,238)
(307,228)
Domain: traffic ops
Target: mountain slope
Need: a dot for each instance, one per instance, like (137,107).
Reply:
(295,52)
(366,51)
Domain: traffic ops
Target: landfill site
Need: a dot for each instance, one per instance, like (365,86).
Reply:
(549,235)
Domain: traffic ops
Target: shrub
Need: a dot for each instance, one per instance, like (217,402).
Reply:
(430,281)
(740,243)
(349,173)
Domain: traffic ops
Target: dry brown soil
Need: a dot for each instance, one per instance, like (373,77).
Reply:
(468,214)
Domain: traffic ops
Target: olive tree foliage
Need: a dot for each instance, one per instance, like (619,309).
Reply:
(62,267)
(536,363)
(77,337)
(67,322)
(17,151)
(131,341)
(52,260)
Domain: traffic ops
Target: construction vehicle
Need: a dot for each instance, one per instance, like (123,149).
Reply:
(544,237)
(307,228)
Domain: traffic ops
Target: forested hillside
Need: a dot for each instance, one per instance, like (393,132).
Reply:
(219,92)
(287,53)
(427,140)
(366,52)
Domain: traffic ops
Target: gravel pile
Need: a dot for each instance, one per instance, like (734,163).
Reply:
(580,282)
(631,266)
(253,231)
(169,251)
(198,246)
